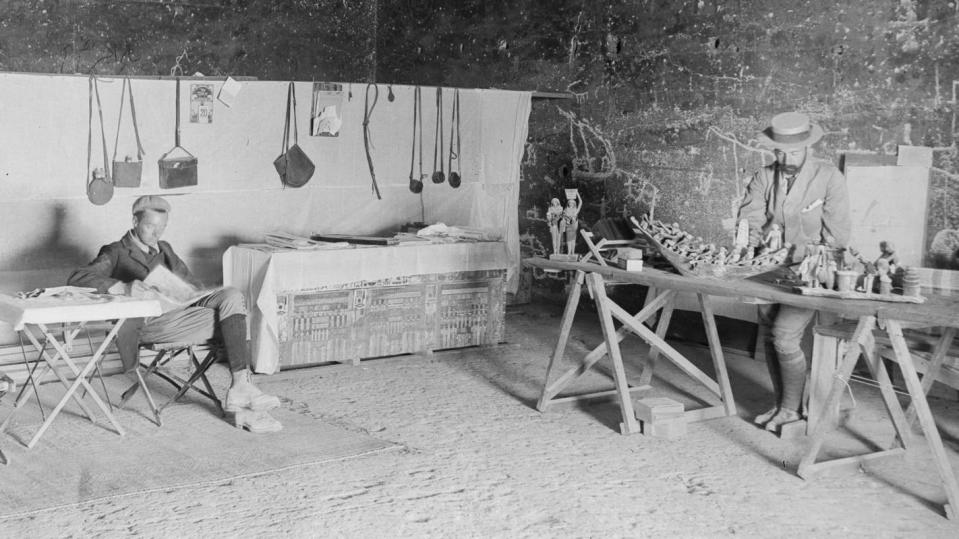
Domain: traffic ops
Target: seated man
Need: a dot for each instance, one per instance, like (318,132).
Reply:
(120,268)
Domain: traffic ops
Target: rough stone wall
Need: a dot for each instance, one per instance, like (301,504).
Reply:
(669,95)
(669,92)
(275,40)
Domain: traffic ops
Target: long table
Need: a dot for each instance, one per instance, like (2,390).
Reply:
(889,317)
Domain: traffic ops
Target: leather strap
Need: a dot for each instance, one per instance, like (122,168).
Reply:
(416,108)
(290,108)
(438,141)
(455,132)
(133,114)
(293,110)
(177,139)
(95,90)
(367,141)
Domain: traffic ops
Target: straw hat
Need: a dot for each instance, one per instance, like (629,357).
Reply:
(790,130)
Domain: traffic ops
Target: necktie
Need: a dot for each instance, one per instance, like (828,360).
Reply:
(152,251)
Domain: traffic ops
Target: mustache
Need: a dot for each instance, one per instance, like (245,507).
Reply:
(789,168)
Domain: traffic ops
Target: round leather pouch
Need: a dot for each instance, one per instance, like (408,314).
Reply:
(99,191)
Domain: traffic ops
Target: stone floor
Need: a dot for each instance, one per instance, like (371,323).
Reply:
(478,460)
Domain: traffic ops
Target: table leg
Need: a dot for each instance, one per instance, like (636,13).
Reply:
(51,366)
(808,463)
(597,354)
(81,380)
(716,350)
(630,424)
(566,324)
(935,367)
(93,363)
(662,326)
(671,353)
(879,373)
(924,414)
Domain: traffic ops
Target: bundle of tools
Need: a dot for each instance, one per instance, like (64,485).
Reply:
(692,255)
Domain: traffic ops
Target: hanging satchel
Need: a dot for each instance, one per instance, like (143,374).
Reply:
(293,165)
(127,173)
(177,171)
(100,186)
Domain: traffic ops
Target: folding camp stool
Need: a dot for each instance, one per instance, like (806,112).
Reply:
(166,352)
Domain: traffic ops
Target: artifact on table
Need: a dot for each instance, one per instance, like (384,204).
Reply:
(691,255)
(554,215)
(570,222)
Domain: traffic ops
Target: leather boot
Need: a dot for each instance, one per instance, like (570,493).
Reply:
(243,395)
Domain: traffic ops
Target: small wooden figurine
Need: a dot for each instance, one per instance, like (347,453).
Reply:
(571,222)
(888,253)
(554,218)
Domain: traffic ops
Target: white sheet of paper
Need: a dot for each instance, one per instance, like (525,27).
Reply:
(228,91)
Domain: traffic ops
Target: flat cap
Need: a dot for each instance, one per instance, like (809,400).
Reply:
(150,202)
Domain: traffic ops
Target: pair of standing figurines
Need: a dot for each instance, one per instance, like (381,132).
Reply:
(564,221)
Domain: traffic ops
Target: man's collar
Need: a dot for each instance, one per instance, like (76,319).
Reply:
(140,245)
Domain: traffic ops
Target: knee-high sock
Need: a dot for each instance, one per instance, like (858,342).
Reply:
(775,373)
(233,330)
(793,368)
(128,343)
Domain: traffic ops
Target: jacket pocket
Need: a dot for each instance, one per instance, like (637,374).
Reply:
(810,223)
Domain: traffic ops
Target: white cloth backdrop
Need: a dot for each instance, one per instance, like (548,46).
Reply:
(47,225)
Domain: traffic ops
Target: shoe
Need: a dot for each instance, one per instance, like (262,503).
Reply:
(256,422)
(764,418)
(243,395)
(781,418)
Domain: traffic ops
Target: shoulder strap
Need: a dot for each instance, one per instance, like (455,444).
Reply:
(177,140)
(103,134)
(86,180)
(286,120)
(293,98)
(133,114)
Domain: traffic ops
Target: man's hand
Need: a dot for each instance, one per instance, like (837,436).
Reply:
(119,288)
(140,290)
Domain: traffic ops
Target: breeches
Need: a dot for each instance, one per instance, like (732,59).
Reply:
(196,323)
(787,325)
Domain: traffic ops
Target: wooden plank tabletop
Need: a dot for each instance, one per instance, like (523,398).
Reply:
(938,310)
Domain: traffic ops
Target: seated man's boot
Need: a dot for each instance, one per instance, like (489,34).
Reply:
(256,422)
(243,395)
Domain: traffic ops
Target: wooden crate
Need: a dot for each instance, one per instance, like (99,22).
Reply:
(390,317)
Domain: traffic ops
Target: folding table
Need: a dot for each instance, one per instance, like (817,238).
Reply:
(33,318)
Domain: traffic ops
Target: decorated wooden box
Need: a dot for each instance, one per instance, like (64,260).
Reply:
(398,315)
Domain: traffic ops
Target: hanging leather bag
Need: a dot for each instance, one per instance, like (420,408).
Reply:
(177,170)
(100,185)
(127,173)
(293,165)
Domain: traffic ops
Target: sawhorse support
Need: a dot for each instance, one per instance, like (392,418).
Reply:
(863,341)
(608,310)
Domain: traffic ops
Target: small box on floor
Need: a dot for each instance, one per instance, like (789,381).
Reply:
(657,408)
(661,417)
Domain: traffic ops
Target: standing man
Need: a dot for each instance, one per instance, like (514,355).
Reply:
(120,268)
(807,201)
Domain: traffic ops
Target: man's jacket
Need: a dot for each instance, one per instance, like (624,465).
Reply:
(815,210)
(124,261)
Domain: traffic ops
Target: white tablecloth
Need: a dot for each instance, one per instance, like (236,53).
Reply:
(263,274)
(53,310)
